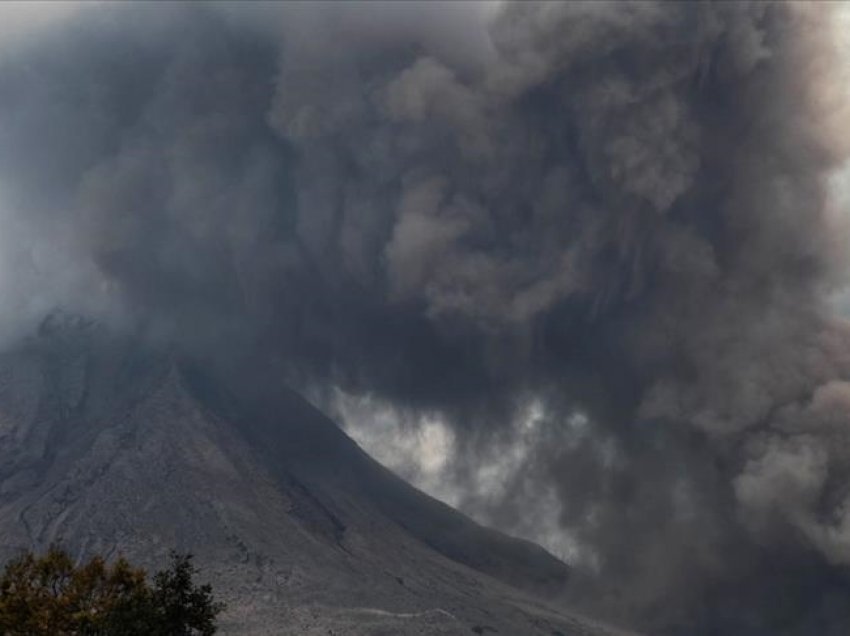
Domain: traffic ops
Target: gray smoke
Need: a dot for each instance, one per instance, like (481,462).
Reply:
(617,211)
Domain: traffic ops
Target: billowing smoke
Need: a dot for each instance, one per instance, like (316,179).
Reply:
(600,233)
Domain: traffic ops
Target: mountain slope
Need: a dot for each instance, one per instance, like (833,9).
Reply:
(107,446)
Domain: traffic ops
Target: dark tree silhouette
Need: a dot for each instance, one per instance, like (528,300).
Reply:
(51,596)
(181,607)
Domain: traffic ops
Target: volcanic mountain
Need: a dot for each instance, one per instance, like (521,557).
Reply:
(109,445)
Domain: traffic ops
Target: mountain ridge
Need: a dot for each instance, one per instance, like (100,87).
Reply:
(110,446)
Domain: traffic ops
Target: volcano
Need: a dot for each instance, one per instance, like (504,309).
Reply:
(110,445)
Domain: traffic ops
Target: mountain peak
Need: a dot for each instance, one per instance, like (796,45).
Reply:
(112,447)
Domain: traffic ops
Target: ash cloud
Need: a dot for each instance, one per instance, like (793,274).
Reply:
(619,211)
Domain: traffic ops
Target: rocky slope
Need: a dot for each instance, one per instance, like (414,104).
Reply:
(109,447)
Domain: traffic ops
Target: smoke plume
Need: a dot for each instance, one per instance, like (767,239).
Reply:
(613,216)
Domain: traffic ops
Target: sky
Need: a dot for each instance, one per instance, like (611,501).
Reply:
(579,269)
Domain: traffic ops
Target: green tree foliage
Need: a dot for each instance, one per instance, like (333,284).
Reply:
(52,596)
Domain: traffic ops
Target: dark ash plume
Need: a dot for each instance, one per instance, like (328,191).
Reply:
(617,210)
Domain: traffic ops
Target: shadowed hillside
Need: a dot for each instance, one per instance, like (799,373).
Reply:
(108,446)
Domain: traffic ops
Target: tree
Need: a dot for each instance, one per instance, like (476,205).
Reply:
(51,596)
(182,608)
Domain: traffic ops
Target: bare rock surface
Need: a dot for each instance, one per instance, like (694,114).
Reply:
(108,447)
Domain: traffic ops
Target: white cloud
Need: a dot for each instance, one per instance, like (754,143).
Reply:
(23,21)
(422,447)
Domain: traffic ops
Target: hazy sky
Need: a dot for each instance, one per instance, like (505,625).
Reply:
(576,268)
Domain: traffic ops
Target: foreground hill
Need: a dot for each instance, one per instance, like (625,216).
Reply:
(106,445)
